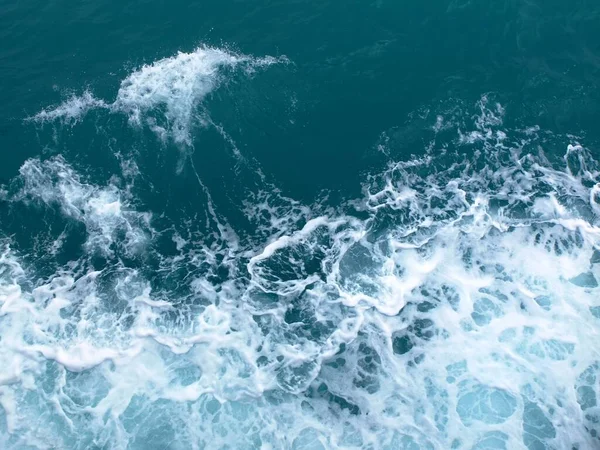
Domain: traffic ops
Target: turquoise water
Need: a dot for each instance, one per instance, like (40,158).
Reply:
(303,225)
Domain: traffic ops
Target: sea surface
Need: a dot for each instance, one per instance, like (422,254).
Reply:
(302,225)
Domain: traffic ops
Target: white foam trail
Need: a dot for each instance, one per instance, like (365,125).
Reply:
(72,110)
(460,312)
(166,94)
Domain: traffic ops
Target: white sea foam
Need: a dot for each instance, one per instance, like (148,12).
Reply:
(164,95)
(103,210)
(461,311)
(72,110)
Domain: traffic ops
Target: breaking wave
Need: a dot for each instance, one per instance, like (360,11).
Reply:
(173,87)
(455,305)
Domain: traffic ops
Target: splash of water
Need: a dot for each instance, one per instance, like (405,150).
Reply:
(454,306)
(173,87)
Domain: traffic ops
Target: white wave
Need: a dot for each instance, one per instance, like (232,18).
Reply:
(166,94)
(460,311)
(484,279)
(178,84)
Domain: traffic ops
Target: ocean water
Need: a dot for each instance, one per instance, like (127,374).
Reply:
(300,225)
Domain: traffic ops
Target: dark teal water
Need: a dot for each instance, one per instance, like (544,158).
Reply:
(304,225)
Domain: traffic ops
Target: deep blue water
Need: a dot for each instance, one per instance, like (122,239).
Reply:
(304,225)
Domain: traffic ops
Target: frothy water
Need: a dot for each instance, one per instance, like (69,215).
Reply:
(173,87)
(454,306)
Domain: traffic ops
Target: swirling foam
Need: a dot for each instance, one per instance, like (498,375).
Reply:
(456,308)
